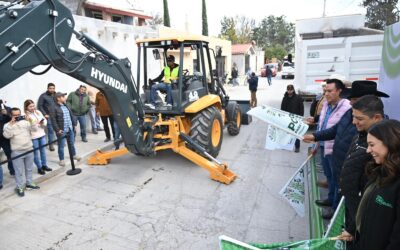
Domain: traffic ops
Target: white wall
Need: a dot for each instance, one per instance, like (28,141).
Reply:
(117,38)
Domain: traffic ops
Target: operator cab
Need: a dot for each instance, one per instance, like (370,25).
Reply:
(193,80)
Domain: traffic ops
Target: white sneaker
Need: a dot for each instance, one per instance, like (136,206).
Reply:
(168,105)
(78,158)
(62,163)
(149,105)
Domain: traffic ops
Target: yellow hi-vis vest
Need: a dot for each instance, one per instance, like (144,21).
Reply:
(168,75)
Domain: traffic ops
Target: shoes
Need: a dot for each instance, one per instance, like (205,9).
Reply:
(323,203)
(94,131)
(107,140)
(20,192)
(84,140)
(51,147)
(168,105)
(297,150)
(149,105)
(327,213)
(1,186)
(322,184)
(62,163)
(32,186)
(41,171)
(78,158)
(12,173)
(100,129)
(46,168)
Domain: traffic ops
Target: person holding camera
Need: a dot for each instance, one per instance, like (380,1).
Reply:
(38,122)
(18,130)
(5,116)
(63,123)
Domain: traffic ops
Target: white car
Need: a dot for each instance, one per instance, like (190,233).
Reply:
(288,70)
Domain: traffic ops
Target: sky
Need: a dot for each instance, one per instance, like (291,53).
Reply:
(181,10)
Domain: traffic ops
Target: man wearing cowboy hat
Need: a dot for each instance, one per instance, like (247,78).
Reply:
(343,133)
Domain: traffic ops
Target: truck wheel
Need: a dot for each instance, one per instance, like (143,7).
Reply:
(234,118)
(206,130)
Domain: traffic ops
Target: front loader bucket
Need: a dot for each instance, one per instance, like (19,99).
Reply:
(226,176)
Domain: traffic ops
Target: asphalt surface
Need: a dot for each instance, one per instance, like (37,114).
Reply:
(162,202)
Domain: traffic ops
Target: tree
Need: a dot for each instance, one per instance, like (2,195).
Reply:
(277,51)
(204,19)
(156,19)
(381,13)
(237,29)
(273,31)
(166,14)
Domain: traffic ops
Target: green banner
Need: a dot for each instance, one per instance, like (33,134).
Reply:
(229,244)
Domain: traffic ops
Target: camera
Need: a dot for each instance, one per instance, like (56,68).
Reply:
(20,118)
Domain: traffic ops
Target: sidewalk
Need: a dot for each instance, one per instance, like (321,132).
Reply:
(83,149)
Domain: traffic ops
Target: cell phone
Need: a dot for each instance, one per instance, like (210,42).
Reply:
(20,118)
(42,120)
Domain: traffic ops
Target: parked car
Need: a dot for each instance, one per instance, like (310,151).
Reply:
(287,70)
(272,66)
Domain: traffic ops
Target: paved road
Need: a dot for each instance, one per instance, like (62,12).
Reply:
(163,202)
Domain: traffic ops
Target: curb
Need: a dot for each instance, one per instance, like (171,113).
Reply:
(8,190)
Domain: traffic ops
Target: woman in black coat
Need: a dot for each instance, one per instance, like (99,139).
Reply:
(293,103)
(378,215)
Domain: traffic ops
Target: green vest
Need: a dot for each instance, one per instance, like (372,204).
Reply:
(168,75)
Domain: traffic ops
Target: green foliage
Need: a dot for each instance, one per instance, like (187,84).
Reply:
(381,13)
(237,29)
(166,14)
(277,51)
(204,19)
(274,31)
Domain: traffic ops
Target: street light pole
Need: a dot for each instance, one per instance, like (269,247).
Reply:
(324,13)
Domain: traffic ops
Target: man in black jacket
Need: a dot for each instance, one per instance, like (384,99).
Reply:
(5,117)
(63,123)
(45,103)
(253,84)
(367,111)
(293,103)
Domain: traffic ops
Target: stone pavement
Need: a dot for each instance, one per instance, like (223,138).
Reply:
(162,202)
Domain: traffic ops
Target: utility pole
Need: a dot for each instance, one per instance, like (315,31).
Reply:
(324,13)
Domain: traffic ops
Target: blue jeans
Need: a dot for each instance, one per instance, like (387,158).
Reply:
(82,124)
(38,143)
(117,134)
(269,80)
(1,175)
(94,118)
(161,86)
(50,131)
(61,143)
(326,165)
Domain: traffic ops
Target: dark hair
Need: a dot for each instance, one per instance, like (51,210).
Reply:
(338,84)
(387,131)
(290,86)
(51,85)
(253,74)
(369,105)
(15,109)
(27,103)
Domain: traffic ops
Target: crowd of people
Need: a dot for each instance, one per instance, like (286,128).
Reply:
(23,133)
(359,148)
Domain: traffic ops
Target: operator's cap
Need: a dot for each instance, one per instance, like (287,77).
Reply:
(171,58)
(59,94)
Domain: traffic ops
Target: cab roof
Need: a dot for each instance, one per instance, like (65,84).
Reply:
(177,38)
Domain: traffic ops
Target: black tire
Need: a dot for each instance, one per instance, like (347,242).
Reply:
(201,129)
(234,118)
